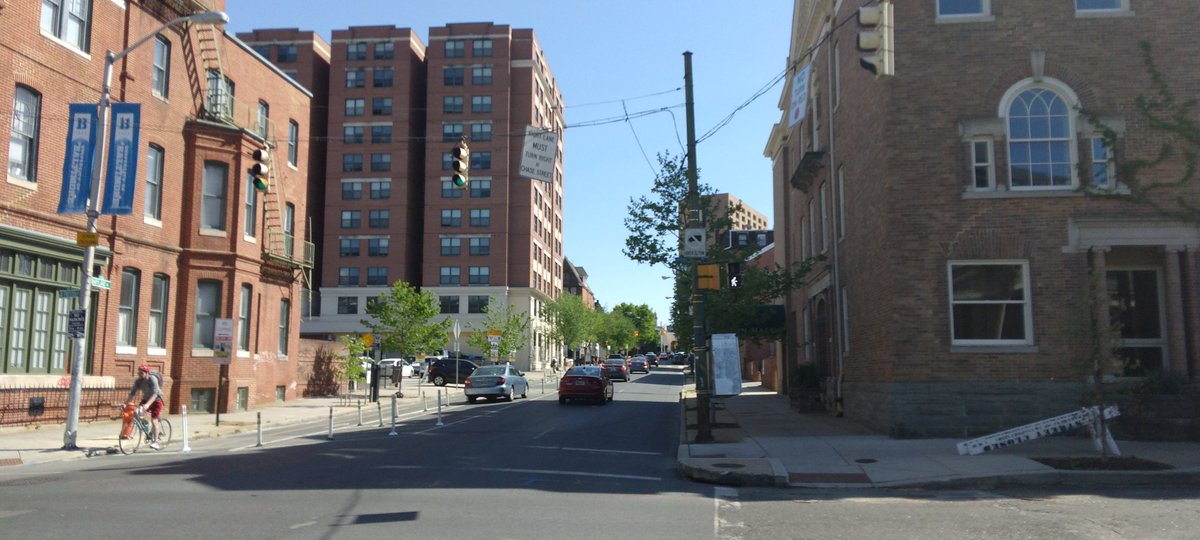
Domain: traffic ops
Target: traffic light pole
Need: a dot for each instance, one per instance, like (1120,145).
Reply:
(695,218)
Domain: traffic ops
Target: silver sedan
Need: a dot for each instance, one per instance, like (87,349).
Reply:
(496,382)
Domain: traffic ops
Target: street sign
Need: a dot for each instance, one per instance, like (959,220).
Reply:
(222,340)
(100,283)
(368,340)
(86,239)
(77,323)
(539,153)
(68,293)
(693,243)
(496,333)
(726,365)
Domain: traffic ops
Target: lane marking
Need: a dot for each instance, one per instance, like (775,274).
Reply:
(598,450)
(568,473)
(302,525)
(726,498)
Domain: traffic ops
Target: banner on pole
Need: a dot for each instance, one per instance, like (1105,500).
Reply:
(77,165)
(122,159)
(799,102)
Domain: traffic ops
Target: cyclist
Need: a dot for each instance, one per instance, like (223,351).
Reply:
(152,400)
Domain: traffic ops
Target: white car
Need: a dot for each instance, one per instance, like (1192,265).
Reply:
(391,364)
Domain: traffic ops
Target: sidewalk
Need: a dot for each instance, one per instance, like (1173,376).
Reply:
(760,440)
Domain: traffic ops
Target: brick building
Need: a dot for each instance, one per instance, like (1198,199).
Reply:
(949,203)
(201,243)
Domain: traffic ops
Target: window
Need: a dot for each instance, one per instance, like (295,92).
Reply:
(243,336)
(356,78)
(952,8)
(157,330)
(1039,141)
(381,134)
(481,47)
(456,48)
(379,219)
(1101,5)
(293,142)
(481,160)
(989,303)
(479,275)
(355,107)
(347,305)
(481,189)
(381,106)
(356,51)
(481,75)
(377,275)
(286,53)
(983,173)
(481,217)
(220,94)
(383,77)
(68,20)
(160,73)
(348,277)
(212,203)
(1102,164)
(450,275)
(377,247)
(264,118)
(452,218)
(285,320)
(154,175)
(449,304)
(477,304)
(480,246)
(481,104)
(352,191)
(452,131)
(812,229)
(385,50)
(447,161)
(353,134)
(451,247)
(381,162)
(352,162)
(453,76)
(481,131)
(127,316)
(208,308)
(23,143)
(449,191)
(351,219)
(262,50)
(289,228)
(452,104)
(381,190)
(250,212)
(349,247)
(824,218)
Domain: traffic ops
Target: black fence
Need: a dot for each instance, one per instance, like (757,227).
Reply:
(25,406)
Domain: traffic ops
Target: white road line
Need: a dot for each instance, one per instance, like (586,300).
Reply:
(302,525)
(539,435)
(726,499)
(599,450)
(568,473)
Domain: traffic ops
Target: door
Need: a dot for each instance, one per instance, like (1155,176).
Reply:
(1135,308)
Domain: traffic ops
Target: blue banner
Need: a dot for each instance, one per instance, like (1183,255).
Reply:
(77,164)
(122,159)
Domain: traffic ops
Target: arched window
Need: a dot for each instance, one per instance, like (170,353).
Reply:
(1041,137)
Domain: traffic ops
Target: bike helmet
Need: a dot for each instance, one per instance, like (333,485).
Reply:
(144,368)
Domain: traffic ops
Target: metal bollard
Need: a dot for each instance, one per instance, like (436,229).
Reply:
(439,407)
(393,433)
(259,429)
(331,423)
(360,413)
(379,409)
(424,403)
(543,385)
(185,448)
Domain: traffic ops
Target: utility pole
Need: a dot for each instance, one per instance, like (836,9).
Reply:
(694,219)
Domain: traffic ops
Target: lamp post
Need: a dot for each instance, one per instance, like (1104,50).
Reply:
(93,211)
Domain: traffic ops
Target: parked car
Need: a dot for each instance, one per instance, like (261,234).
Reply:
(639,363)
(448,370)
(585,382)
(388,367)
(495,382)
(616,368)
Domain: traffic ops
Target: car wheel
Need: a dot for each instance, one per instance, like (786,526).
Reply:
(471,399)
(439,380)
(509,396)
(525,392)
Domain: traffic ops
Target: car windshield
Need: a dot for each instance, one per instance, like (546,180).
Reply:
(488,371)
(584,371)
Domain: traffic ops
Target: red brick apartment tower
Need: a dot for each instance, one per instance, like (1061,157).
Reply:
(201,244)
(500,240)
(947,201)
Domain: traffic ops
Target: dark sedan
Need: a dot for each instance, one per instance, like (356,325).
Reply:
(585,382)
(616,369)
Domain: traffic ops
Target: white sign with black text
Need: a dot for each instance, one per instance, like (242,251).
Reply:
(541,149)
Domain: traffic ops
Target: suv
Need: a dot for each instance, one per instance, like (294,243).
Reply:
(448,370)
(652,359)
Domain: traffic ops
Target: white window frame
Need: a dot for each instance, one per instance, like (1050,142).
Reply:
(986,161)
(156,333)
(245,303)
(204,320)
(1026,303)
(984,14)
(250,211)
(1122,9)
(285,324)
(293,152)
(1106,161)
(214,193)
(152,205)
(57,19)
(25,158)
(160,73)
(127,311)
(1071,100)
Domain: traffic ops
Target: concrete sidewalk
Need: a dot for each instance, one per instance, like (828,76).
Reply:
(760,440)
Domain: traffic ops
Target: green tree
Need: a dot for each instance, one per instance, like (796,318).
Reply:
(402,319)
(513,327)
(616,332)
(570,321)
(350,366)
(644,323)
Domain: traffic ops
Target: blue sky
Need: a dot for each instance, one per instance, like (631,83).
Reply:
(606,55)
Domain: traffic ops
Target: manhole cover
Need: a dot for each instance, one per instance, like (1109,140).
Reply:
(865,460)
(728,465)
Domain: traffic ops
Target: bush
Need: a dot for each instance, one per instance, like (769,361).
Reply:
(1162,382)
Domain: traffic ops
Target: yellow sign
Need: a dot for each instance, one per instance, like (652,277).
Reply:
(368,340)
(87,239)
(494,333)
(708,277)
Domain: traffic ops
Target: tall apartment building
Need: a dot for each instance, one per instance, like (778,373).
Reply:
(948,201)
(201,242)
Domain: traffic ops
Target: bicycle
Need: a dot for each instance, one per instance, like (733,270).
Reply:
(142,430)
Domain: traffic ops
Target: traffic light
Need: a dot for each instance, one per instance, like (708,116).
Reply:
(635,333)
(877,36)
(260,168)
(709,275)
(461,164)
(733,273)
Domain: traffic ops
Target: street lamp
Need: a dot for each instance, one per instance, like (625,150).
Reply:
(93,211)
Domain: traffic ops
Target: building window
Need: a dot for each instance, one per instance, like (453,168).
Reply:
(452,218)
(355,107)
(481,104)
(1101,5)
(377,275)
(353,134)
(481,189)
(989,303)
(23,144)
(127,316)
(481,47)
(262,50)
(1039,141)
(481,160)
(220,94)
(479,275)
(352,162)
(157,330)
(285,322)
(453,76)
(450,275)
(481,75)
(449,191)
(982,169)
(481,131)
(379,219)
(208,308)
(356,78)
(1102,164)
(351,219)
(349,247)
(381,162)
(957,8)
(212,203)
(352,191)
(160,74)
(293,142)
(480,246)
(285,53)
(477,304)
(348,277)
(451,247)
(452,132)
(824,217)
(447,161)
(456,48)
(449,304)
(381,190)
(377,247)
(381,106)
(385,50)
(243,330)
(452,104)
(250,208)
(356,51)
(481,217)
(154,177)
(347,305)
(68,20)
(381,134)
(264,118)
(383,77)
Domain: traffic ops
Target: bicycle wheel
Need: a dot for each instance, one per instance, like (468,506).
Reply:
(164,431)
(130,445)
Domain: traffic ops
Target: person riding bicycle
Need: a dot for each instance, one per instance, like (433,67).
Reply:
(152,400)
